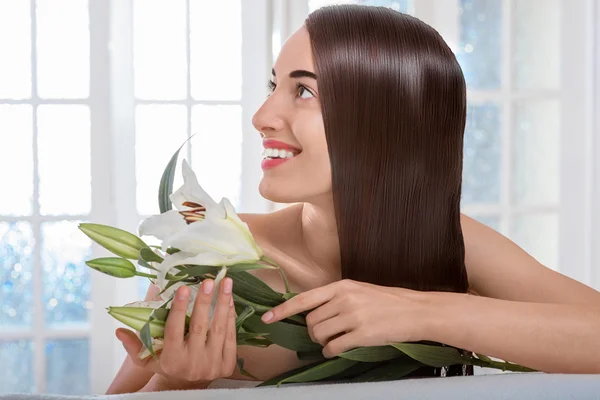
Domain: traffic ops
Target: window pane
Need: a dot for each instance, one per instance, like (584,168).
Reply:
(16,358)
(64,159)
(160,131)
(15,50)
(216,64)
(399,5)
(536,52)
(16,268)
(63,48)
(538,235)
(482,149)
(160,61)
(66,277)
(480,49)
(16,150)
(536,152)
(67,367)
(217,150)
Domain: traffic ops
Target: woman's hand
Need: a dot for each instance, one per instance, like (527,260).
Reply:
(204,354)
(349,314)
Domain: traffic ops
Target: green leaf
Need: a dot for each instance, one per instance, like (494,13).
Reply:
(372,354)
(137,318)
(254,289)
(389,370)
(276,379)
(289,336)
(113,266)
(176,278)
(148,255)
(117,241)
(172,250)
(199,270)
(310,355)
(240,364)
(160,314)
(483,357)
(322,371)
(145,264)
(434,356)
(248,311)
(146,338)
(165,188)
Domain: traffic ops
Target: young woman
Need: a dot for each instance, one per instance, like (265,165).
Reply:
(371,105)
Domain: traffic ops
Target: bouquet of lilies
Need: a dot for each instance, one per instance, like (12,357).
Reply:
(204,239)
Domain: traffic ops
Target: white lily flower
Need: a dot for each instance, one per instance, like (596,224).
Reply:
(205,232)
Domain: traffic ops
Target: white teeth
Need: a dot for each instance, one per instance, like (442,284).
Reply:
(277,153)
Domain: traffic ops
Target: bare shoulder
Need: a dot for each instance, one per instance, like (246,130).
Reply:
(268,227)
(497,267)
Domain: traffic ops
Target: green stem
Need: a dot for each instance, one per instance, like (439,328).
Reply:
(145,275)
(283,276)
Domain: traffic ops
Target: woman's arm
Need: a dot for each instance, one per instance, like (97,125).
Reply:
(130,378)
(553,338)
(532,315)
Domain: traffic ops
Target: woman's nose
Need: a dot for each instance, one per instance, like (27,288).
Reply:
(268,118)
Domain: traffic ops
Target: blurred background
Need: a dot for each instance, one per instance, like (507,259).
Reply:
(96,95)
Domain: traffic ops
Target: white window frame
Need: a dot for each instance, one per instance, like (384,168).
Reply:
(113,164)
(594,242)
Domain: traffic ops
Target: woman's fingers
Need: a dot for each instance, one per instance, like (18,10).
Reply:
(133,346)
(200,317)
(218,328)
(175,325)
(152,293)
(230,345)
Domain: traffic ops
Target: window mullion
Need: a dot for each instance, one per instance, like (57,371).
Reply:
(256,67)
(506,162)
(122,151)
(576,137)
(103,204)
(595,149)
(38,287)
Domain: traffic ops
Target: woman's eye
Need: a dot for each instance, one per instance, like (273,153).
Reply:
(304,93)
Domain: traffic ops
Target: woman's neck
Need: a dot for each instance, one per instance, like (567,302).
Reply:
(320,236)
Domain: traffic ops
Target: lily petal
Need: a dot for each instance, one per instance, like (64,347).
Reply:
(214,235)
(192,191)
(162,226)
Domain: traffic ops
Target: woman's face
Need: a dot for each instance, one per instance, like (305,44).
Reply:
(296,162)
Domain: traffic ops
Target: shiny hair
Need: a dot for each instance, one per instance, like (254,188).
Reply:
(393,100)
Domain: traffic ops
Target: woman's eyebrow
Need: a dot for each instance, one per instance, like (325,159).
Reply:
(299,73)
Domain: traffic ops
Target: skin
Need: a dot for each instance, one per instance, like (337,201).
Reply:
(510,291)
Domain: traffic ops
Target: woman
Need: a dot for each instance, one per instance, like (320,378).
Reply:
(371,105)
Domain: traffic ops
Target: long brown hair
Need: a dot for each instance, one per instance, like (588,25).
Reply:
(394,103)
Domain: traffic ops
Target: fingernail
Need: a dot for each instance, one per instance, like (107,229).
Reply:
(227,285)
(207,286)
(267,316)
(231,302)
(183,293)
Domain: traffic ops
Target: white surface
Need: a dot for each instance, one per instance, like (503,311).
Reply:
(531,386)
